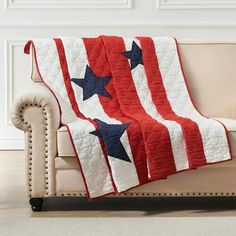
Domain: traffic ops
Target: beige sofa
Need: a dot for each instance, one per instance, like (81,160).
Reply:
(52,168)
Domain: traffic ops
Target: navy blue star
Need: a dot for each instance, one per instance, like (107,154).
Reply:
(135,55)
(111,134)
(92,84)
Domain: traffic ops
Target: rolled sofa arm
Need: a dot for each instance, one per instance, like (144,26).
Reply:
(37,113)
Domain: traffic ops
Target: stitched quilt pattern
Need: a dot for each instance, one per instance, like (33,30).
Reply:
(127,109)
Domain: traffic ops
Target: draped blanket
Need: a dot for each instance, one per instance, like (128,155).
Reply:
(128,110)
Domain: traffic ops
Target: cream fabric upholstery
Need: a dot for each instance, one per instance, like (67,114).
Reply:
(69,181)
(37,113)
(64,144)
(53,170)
(66,162)
(211,75)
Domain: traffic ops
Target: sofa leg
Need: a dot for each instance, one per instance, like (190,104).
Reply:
(36,204)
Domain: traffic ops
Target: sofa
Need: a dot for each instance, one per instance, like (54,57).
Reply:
(52,168)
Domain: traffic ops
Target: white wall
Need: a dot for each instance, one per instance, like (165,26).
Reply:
(26,19)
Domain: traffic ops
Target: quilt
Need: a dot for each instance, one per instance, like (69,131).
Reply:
(127,108)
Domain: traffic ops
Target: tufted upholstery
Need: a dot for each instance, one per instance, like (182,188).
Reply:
(53,170)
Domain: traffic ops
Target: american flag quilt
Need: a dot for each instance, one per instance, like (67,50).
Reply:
(128,110)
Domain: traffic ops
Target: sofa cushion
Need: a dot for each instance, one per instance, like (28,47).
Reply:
(65,148)
(66,163)
(64,145)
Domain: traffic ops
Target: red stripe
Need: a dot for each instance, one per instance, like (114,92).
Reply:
(191,132)
(98,63)
(71,95)
(156,136)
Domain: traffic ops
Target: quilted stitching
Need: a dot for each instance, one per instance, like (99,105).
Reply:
(212,131)
(154,144)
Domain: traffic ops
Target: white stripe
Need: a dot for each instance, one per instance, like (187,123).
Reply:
(98,179)
(144,94)
(213,134)
(49,66)
(91,156)
(77,61)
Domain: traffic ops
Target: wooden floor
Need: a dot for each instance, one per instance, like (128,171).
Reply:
(14,202)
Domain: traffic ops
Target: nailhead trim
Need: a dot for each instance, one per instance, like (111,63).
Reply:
(46,148)
(149,194)
(25,106)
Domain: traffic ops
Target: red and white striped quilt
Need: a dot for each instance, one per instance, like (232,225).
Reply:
(128,110)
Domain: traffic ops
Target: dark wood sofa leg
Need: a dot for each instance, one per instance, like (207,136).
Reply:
(36,204)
